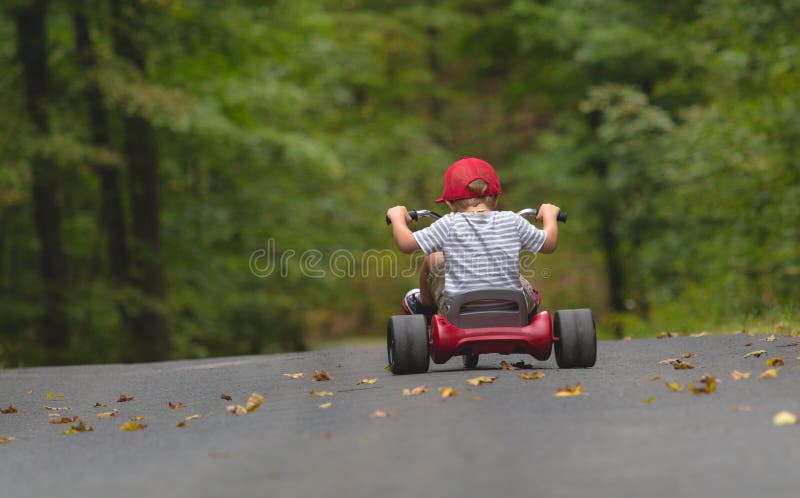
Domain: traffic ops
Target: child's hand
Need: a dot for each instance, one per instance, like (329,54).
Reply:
(548,212)
(398,213)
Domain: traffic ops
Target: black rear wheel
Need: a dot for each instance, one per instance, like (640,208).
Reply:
(407,344)
(576,339)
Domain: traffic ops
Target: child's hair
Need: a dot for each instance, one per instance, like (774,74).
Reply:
(476,186)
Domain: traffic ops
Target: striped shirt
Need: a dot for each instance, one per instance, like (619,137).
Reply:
(480,250)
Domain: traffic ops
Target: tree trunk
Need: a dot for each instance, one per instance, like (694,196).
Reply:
(32,51)
(147,274)
(112,215)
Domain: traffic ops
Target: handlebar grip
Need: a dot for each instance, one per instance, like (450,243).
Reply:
(413,215)
(562,216)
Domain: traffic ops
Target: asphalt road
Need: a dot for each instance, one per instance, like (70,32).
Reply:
(517,439)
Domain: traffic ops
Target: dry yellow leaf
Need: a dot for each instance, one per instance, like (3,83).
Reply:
(774,362)
(298,375)
(380,414)
(321,375)
(80,427)
(654,377)
(674,386)
(737,375)
(448,392)
(124,398)
(649,400)
(682,365)
(688,355)
(193,417)
(321,393)
(63,420)
(784,418)
(236,409)
(476,381)
(137,418)
(570,391)
(416,391)
(175,406)
(325,405)
(9,410)
(388,368)
(367,381)
(254,402)
(768,374)
(112,413)
(709,388)
(757,354)
(531,375)
(182,423)
(700,334)
(6,439)
(769,338)
(132,426)
(663,335)
(668,361)
(504,365)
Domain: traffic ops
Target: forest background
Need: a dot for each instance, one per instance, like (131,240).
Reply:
(155,152)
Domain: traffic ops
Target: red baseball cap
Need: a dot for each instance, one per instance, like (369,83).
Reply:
(464,171)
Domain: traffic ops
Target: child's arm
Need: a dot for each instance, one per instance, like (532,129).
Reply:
(548,214)
(402,234)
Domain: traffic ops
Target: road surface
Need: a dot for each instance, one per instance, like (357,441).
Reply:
(510,438)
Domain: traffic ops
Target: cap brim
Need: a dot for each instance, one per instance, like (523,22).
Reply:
(440,200)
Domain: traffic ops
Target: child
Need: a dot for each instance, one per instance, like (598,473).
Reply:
(473,247)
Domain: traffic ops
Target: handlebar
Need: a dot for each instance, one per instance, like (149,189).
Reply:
(424,213)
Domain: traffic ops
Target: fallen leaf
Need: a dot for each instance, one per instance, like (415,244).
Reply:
(137,418)
(709,388)
(531,375)
(81,427)
(101,405)
(55,396)
(570,391)
(56,408)
(784,418)
(380,414)
(7,411)
(674,386)
(325,405)
(416,391)
(193,417)
(737,375)
(475,398)
(4,440)
(225,397)
(700,334)
(757,354)
(388,368)
(63,420)
(682,365)
(182,423)
(236,409)
(649,400)
(254,402)
(504,365)
(175,406)
(627,338)
(367,381)
(663,335)
(321,375)
(298,375)
(132,426)
(775,362)
(321,393)
(476,381)
(668,361)
(769,338)
(654,377)
(768,374)
(448,392)
(688,355)
(112,413)
(123,398)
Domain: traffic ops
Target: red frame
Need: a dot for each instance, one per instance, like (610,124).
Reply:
(447,340)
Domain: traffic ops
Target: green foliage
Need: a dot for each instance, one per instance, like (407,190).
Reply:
(670,131)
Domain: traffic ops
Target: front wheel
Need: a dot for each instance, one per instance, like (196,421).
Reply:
(470,360)
(576,339)
(407,344)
